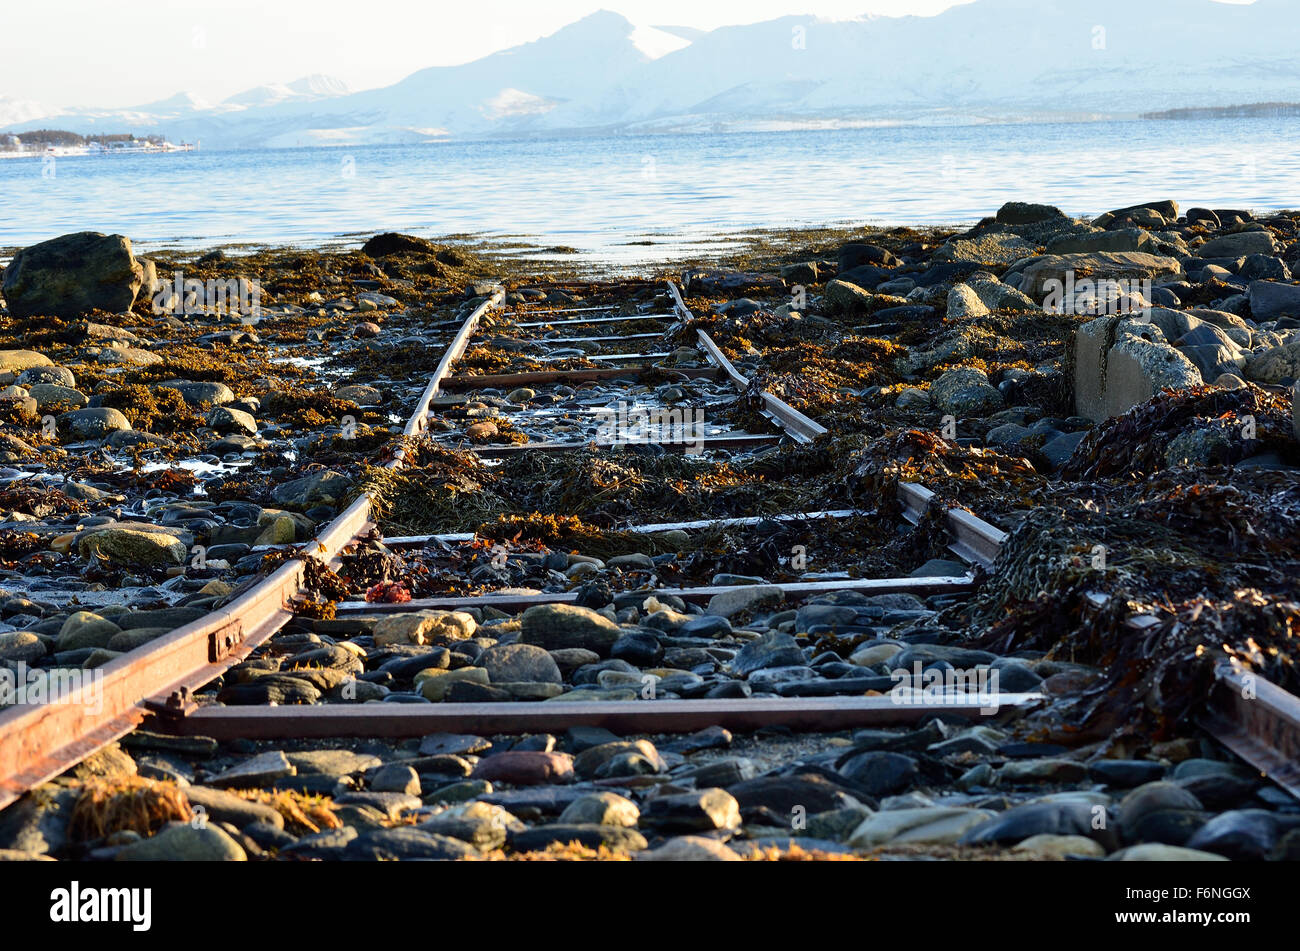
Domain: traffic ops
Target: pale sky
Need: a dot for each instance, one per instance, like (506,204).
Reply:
(117,54)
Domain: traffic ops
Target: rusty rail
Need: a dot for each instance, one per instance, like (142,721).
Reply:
(798,426)
(701,594)
(40,741)
(1257,720)
(551,716)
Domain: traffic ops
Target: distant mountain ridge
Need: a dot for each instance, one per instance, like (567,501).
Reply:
(989,60)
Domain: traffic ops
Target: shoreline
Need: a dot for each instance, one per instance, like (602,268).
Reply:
(928,358)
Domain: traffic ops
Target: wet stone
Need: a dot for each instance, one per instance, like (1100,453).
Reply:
(525,768)
(519,663)
(256,771)
(690,848)
(1040,818)
(182,842)
(407,843)
(601,808)
(782,794)
(395,777)
(1125,773)
(694,811)
(1240,835)
(615,838)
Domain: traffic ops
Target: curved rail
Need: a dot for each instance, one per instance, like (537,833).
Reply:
(39,741)
(1254,718)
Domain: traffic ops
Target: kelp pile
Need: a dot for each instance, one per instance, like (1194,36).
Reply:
(161,410)
(126,804)
(38,502)
(436,490)
(813,378)
(1202,424)
(570,533)
(959,474)
(1216,563)
(606,487)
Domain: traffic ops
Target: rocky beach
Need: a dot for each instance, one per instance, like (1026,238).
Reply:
(1118,394)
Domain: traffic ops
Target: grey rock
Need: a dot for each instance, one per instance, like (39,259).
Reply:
(881,774)
(72,275)
(183,842)
(601,808)
(1153,797)
(843,297)
(396,777)
(321,488)
(702,810)
(38,822)
(92,423)
(1238,245)
(1125,773)
(202,393)
(615,838)
(330,844)
(783,794)
(515,663)
(257,770)
(1042,817)
(557,626)
(225,419)
(1270,300)
(965,392)
(750,597)
(407,843)
(705,625)
(772,650)
(1241,835)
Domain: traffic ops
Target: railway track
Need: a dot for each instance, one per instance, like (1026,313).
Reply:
(161,686)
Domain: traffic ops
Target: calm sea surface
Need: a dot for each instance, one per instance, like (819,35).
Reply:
(609,196)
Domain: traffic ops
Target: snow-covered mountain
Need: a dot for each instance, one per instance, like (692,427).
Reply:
(991,59)
(183,110)
(309,88)
(14,111)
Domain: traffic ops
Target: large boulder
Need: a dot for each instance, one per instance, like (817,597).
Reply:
(1238,245)
(965,304)
(50,396)
(95,422)
(996,249)
(1056,271)
(965,392)
(841,296)
(319,488)
(1120,362)
(995,295)
(857,254)
(391,242)
(1027,213)
(558,626)
(1270,299)
(1275,365)
(1121,239)
(1150,215)
(132,546)
(73,275)
(202,393)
